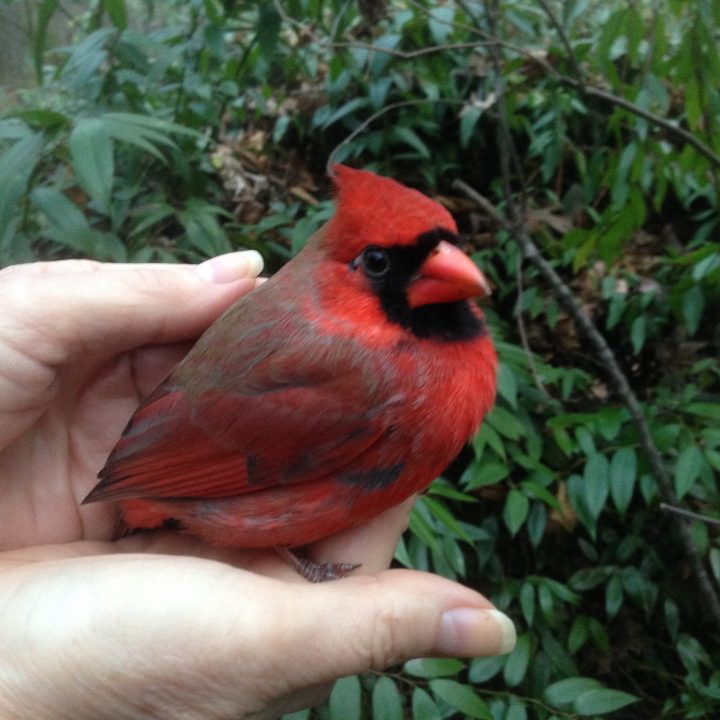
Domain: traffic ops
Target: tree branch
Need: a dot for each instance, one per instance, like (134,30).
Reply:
(565,296)
(572,57)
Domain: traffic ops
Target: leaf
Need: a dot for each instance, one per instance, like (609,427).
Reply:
(45,119)
(298,715)
(420,527)
(638,330)
(16,166)
(117,11)
(423,706)
(705,409)
(378,61)
(536,523)
(576,493)
(349,107)
(536,490)
(507,385)
(517,661)
(268,30)
(623,474)
(485,473)
(693,304)
(516,710)
(444,516)
(386,700)
(515,511)
(488,436)
(69,226)
(468,121)
(613,596)
(433,667)
(60,211)
(91,149)
(344,703)
(409,137)
(484,668)
(602,701)
(579,634)
(596,484)
(505,423)
(461,697)
(527,602)
(148,123)
(687,469)
(87,57)
(563,693)
(440,22)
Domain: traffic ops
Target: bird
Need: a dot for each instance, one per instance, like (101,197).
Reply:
(335,390)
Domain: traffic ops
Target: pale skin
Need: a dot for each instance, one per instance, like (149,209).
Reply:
(157,625)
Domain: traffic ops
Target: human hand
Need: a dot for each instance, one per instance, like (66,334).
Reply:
(137,628)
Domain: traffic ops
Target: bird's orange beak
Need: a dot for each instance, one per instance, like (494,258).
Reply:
(446,276)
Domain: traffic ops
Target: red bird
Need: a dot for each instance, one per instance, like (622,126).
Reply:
(338,388)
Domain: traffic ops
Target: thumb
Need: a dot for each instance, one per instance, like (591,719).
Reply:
(372,622)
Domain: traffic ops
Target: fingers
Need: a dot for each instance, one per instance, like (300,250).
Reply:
(82,306)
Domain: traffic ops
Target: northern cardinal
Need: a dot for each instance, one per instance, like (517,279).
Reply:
(338,388)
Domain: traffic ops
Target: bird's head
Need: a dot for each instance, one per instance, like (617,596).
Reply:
(400,244)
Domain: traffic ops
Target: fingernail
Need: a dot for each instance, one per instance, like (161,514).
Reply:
(231,266)
(472,632)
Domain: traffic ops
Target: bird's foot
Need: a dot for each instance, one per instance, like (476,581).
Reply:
(316,572)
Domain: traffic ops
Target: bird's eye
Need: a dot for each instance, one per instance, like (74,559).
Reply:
(375,260)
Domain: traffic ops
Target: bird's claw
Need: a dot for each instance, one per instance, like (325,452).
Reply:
(316,572)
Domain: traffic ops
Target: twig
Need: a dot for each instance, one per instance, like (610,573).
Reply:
(577,70)
(522,330)
(690,514)
(392,106)
(631,107)
(410,54)
(563,293)
(509,160)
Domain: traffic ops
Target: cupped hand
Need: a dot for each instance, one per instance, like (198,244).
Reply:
(157,625)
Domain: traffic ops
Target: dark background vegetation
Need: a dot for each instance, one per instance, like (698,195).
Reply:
(161,130)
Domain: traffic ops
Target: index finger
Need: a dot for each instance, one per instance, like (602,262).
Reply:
(59,309)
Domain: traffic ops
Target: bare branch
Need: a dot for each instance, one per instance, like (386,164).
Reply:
(565,296)
(382,111)
(410,54)
(690,514)
(669,125)
(577,70)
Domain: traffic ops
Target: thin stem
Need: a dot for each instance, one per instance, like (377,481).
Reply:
(690,514)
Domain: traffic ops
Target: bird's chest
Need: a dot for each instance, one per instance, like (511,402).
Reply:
(445,392)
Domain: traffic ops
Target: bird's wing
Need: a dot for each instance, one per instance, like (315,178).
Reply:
(289,418)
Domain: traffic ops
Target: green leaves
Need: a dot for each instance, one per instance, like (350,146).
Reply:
(516,510)
(91,149)
(386,700)
(623,474)
(687,469)
(461,698)
(596,484)
(586,697)
(17,164)
(344,703)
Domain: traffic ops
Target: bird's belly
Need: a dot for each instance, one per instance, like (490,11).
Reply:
(290,515)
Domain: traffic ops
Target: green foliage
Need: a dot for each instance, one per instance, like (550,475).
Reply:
(177,130)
